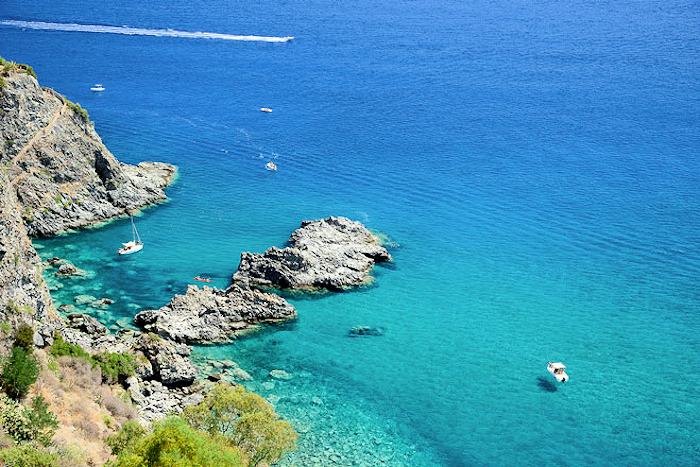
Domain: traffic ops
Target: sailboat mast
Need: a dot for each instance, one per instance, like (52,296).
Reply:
(134,232)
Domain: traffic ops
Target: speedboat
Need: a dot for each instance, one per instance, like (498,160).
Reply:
(97,88)
(267,110)
(271,166)
(556,369)
(133,246)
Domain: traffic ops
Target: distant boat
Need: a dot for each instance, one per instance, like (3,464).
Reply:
(557,370)
(133,246)
(203,278)
(271,166)
(267,110)
(97,88)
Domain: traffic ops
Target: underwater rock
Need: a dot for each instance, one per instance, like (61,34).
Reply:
(240,374)
(335,253)
(210,315)
(102,302)
(215,377)
(83,299)
(280,374)
(365,331)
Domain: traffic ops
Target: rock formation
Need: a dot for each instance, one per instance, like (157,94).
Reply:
(63,175)
(209,315)
(333,253)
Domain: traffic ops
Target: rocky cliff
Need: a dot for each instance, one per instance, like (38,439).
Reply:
(24,297)
(63,175)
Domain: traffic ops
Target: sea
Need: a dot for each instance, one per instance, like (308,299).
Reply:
(532,166)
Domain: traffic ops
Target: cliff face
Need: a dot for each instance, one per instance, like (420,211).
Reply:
(24,297)
(63,174)
(55,175)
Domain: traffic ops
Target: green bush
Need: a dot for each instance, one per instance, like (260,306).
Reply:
(61,348)
(81,112)
(19,373)
(115,366)
(24,337)
(26,455)
(126,438)
(246,419)
(28,424)
(173,443)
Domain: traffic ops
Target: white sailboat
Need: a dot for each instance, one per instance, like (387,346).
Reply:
(97,88)
(133,246)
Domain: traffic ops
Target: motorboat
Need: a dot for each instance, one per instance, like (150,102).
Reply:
(202,278)
(267,110)
(97,88)
(557,369)
(133,246)
(271,166)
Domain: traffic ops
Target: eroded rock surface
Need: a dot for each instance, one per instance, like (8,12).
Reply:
(333,253)
(209,315)
(63,175)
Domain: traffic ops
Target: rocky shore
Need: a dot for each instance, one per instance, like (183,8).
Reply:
(335,253)
(207,315)
(57,175)
(63,175)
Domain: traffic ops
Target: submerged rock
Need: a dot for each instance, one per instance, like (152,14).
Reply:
(333,253)
(209,315)
(83,299)
(365,331)
(280,374)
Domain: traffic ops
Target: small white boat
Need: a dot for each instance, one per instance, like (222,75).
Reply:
(271,166)
(97,88)
(133,246)
(267,110)
(556,369)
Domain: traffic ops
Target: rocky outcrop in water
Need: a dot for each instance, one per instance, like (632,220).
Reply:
(333,253)
(63,175)
(209,315)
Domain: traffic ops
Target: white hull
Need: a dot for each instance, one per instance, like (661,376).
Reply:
(560,375)
(130,251)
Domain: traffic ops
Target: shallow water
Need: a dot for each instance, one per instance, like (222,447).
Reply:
(535,167)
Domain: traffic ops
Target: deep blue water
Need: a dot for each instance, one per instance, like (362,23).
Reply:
(534,165)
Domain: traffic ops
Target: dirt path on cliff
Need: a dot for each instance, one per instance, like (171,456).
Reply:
(39,134)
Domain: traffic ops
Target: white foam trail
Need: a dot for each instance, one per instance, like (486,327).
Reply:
(73,27)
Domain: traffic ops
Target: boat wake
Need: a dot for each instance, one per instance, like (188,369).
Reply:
(125,30)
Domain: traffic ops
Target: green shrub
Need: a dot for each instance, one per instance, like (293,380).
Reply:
(11,307)
(81,112)
(19,373)
(24,337)
(115,366)
(126,438)
(173,443)
(61,348)
(26,69)
(26,455)
(246,419)
(28,424)
(3,84)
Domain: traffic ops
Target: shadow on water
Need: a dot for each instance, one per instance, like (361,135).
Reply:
(546,385)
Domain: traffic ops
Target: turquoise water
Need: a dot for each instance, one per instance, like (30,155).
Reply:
(535,167)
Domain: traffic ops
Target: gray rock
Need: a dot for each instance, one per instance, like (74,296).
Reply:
(358,331)
(169,365)
(67,178)
(67,308)
(69,269)
(86,324)
(209,315)
(333,253)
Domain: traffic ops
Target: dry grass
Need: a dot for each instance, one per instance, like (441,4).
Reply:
(87,410)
